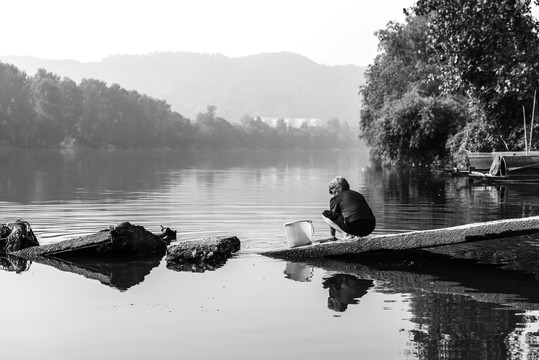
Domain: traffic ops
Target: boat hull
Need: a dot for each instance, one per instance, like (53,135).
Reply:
(516,167)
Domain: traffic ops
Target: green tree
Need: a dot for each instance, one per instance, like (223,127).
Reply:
(339,133)
(95,127)
(72,107)
(156,114)
(281,126)
(47,97)
(16,111)
(404,116)
(415,128)
(215,132)
(486,47)
(177,132)
(487,50)
(258,134)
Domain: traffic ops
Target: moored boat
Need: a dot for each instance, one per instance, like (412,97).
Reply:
(510,167)
(482,161)
(479,161)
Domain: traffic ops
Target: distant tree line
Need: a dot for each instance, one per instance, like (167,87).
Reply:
(458,75)
(45,110)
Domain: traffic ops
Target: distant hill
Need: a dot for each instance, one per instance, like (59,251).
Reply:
(273,84)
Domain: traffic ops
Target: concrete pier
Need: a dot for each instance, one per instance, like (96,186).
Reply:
(411,240)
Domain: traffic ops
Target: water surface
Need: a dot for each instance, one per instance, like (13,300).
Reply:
(460,302)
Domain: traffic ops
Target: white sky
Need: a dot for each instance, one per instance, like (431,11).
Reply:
(331,32)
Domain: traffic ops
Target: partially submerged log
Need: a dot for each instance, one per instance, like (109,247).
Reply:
(201,255)
(123,239)
(411,240)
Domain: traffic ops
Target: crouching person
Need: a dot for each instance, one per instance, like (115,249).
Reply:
(349,213)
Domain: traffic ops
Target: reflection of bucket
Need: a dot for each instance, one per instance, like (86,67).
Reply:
(299,233)
(298,272)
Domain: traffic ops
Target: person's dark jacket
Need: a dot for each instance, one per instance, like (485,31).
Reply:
(352,205)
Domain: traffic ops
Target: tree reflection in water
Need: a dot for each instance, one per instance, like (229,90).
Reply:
(453,326)
(458,327)
(523,342)
(479,307)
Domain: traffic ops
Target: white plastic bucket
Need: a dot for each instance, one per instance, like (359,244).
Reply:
(299,233)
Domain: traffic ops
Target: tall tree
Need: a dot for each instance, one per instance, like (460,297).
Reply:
(47,97)
(487,47)
(488,50)
(258,134)
(95,126)
(72,106)
(16,112)
(404,116)
(215,132)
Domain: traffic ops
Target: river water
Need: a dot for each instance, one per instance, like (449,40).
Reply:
(475,301)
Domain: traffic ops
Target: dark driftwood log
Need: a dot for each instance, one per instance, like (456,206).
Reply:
(124,239)
(201,255)
(17,235)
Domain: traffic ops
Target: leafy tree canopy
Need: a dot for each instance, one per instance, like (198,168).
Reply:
(474,61)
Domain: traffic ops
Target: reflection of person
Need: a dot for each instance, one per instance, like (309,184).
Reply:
(349,213)
(344,290)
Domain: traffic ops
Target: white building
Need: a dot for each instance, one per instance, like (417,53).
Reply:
(294,122)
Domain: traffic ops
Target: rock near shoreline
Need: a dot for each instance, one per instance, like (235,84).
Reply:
(201,255)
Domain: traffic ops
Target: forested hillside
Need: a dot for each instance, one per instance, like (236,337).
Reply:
(45,110)
(272,85)
(458,75)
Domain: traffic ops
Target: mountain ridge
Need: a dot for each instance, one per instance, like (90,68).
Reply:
(281,84)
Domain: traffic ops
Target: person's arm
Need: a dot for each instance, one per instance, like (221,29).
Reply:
(334,211)
(334,205)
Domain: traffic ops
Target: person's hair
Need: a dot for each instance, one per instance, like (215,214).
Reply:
(338,184)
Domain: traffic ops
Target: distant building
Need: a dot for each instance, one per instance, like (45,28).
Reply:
(294,122)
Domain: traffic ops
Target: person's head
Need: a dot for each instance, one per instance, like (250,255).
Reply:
(336,305)
(337,185)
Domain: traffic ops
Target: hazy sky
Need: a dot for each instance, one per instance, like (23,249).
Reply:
(332,32)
